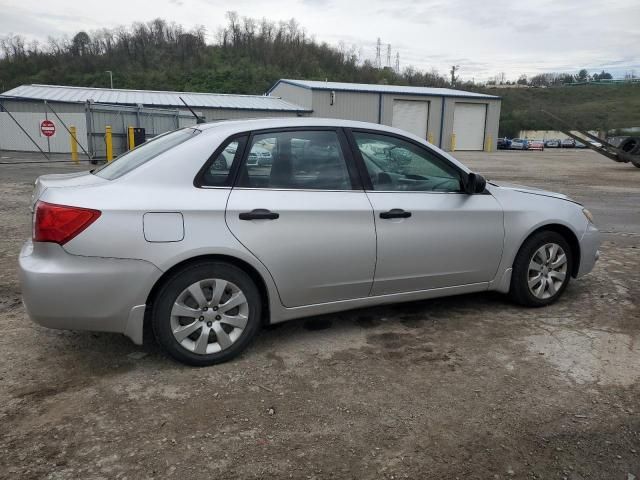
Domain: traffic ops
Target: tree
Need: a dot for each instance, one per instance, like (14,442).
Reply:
(80,43)
(522,80)
(602,76)
(583,75)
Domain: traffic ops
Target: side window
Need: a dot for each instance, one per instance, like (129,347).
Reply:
(295,160)
(394,164)
(218,172)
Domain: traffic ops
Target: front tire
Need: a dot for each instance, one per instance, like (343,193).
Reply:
(206,313)
(541,270)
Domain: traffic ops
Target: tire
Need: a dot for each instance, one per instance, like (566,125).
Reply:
(554,274)
(207,333)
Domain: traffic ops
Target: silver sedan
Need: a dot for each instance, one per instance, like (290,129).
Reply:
(187,236)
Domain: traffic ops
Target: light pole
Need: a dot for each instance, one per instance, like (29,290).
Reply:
(110,77)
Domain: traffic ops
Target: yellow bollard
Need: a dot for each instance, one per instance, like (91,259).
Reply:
(430,137)
(489,146)
(74,143)
(453,142)
(108,140)
(131,142)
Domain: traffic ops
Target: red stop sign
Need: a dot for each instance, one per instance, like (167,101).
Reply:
(48,128)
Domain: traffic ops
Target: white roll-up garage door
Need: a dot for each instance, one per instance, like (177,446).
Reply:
(468,125)
(411,116)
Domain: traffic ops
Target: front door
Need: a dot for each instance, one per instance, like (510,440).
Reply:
(429,233)
(298,207)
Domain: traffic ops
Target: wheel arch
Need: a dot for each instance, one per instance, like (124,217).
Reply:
(568,234)
(242,264)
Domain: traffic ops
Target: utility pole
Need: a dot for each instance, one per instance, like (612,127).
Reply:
(454,79)
(110,77)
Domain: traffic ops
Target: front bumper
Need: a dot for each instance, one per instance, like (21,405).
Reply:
(65,291)
(589,253)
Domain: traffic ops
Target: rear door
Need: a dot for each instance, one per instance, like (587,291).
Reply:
(303,213)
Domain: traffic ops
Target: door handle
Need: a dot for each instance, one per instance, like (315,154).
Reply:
(395,213)
(259,214)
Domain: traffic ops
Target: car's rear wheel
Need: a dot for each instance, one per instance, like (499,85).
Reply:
(206,313)
(541,270)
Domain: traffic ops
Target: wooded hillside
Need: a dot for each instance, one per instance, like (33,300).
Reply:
(249,55)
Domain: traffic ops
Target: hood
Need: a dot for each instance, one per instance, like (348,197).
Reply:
(60,180)
(530,190)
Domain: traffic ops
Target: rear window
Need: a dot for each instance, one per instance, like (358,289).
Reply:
(143,153)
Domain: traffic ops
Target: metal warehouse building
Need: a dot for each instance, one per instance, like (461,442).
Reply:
(90,110)
(451,119)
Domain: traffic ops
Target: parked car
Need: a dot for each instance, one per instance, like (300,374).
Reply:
(259,156)
(204,257)
(518,144)
(568,143)
(595,144)
(535,145)
(580,145)
(503,144)
(554,143)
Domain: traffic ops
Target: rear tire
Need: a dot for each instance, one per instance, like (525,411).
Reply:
(541,270)
(206,313)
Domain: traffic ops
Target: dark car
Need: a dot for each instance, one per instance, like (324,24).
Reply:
(553,143)
(504,144)
(568,143)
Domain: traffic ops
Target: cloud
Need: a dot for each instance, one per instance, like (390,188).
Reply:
(484,38)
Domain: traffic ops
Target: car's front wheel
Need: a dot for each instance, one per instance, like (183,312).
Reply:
(541,270)
(206,313)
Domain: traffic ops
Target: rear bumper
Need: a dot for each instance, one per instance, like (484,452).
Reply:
(65,291)
(589,253)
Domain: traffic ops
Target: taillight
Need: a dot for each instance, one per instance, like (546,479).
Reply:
(60,223)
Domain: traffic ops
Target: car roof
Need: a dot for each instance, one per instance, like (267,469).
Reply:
(243,125)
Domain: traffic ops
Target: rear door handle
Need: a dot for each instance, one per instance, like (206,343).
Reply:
(259,214)
(395,213)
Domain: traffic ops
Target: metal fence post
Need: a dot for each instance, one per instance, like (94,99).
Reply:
(74,143)
(89,117)
(108,139)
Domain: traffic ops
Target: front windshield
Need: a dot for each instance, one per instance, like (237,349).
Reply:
(143,153)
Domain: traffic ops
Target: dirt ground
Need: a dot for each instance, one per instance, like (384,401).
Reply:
(469,387)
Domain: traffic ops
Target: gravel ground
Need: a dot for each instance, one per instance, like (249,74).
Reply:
(464,387)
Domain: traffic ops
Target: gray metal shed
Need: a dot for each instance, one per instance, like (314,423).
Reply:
(451,119)
(91,109)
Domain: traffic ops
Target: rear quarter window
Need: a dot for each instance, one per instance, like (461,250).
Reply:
(145,152)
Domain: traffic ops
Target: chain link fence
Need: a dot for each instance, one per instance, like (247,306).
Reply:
(56,130)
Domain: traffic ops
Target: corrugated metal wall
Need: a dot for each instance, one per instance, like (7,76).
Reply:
(30,115)
(378,108)
(294,94)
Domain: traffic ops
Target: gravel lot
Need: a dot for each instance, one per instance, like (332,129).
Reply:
(465,387)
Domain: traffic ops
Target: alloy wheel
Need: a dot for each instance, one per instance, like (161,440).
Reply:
(547,271)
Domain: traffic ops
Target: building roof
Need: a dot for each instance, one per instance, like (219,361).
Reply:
(374,88)
(118,96)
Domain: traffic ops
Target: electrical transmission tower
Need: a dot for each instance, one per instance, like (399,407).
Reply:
(378,63)
(388,55)
(397,62)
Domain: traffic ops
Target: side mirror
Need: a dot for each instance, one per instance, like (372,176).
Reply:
(476,183)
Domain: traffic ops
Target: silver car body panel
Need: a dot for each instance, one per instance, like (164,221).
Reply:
(450,240)
(321,249)
(101,279)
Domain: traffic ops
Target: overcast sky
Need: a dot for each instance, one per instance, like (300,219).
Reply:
(484,37)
